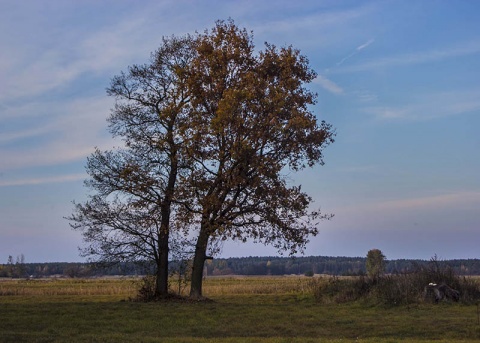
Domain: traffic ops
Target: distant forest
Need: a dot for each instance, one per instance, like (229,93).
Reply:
(236,266)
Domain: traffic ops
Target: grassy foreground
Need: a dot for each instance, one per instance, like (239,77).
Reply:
(277,309)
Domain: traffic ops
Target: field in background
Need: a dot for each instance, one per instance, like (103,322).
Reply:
(243,309)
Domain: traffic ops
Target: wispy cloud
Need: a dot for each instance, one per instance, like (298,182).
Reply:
(439,202)
(365,96)
(389,112)
(359,169)
(469,48)
(320,27)
(66,56)
(69,132)
(7,137)
(431,106)
(322,18)
(44,180)
(328,85)
(102,52)
(466,198)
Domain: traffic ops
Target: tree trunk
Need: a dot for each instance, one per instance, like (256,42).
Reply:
(163,236)
(198,264)
(161,289)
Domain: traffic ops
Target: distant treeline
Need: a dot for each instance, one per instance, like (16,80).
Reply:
(324,265)
(237,266)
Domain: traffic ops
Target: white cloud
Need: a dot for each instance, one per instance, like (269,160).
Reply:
(43,180)
(328,85)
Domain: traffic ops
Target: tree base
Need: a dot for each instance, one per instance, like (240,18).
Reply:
(171,298)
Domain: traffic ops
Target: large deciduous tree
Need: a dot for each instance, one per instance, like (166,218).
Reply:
(128,218)
(251,124)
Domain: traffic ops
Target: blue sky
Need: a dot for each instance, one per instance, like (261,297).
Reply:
(399,80)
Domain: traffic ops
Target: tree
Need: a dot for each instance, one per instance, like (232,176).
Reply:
(128,217)
(10,267)
(251,126)
(375,263)
(20,267)
(211,130)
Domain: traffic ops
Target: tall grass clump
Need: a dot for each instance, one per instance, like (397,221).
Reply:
(146,291)
(339,289)
(398,289)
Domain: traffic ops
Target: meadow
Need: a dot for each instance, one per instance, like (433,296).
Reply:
(240,309)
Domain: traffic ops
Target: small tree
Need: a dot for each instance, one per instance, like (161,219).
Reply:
(20,266)
(10,270)
(376,264)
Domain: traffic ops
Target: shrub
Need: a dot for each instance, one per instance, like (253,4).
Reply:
(398,289)
(146,292)
(469,291)
(340,290)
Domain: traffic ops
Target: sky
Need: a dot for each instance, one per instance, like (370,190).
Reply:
(399,80)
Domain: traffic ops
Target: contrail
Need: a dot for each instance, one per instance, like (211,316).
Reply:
(363,46)
(356,51)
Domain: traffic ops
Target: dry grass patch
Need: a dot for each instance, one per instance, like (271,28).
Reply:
(69,287)
(238,285)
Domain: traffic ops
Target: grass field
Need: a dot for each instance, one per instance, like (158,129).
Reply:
(247,309)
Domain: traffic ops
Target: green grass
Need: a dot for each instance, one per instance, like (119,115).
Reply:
(257,310)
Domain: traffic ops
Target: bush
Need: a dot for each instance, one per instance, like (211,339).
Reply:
(398,289)
(146,291)
(469,291)
(340,290)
